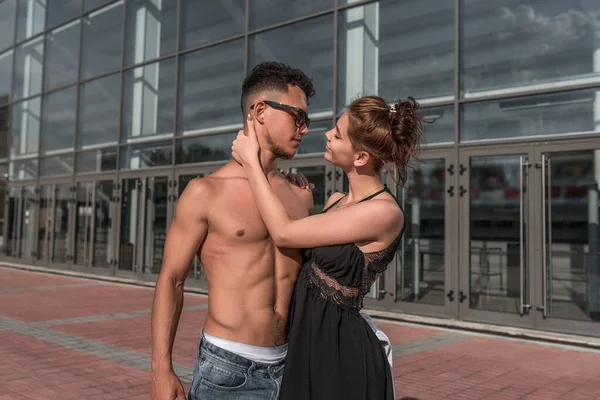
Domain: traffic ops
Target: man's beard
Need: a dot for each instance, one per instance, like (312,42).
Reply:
(277,150)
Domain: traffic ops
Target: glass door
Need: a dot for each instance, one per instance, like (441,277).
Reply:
(495,258)
(567,230)
(55,212)
(420,277)
(13,222)
(143,216)
(94,216)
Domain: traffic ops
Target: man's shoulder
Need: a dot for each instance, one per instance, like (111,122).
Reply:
(305,195)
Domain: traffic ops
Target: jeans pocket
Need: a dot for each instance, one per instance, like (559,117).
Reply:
(218,375)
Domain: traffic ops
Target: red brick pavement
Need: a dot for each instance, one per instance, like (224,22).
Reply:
(134,334)
(477,367)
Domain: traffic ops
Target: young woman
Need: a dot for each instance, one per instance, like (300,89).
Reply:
(333,353)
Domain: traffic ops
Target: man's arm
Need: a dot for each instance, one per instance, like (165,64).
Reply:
(186,233)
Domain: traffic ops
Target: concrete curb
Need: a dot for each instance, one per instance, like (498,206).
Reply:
(442,323)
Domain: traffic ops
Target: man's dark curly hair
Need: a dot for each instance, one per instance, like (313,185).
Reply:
(275,76)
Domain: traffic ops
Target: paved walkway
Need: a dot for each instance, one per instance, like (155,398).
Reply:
(72,338)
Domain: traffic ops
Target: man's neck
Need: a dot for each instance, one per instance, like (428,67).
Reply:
(268,162)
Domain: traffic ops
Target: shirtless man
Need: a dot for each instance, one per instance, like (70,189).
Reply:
(250,281)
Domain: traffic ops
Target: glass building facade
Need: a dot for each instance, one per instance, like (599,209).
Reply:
(109,108)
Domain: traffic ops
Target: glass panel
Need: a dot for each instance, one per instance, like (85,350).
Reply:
(7,23)
(3,192)
(548,114)
(204,148)
(12,220)
(150,29)
(60,11)
(96,160)
(102,37)
(195,271)
(147,155)
(83,227)
(421,275)
(30,18)
(384,51)
(58,122)
(439,125)
(57,165)
(315,141)
(155,223)
(62,210)
(102,246)
(265,13)
(6,64)
(90,4)
(62,56)
(210,84)
(203,22)
(511,43)
(28,219)
(312,53)
(24,169)
(28,69)
(99,105)
(131,204)
(498,233)
(4,128)
(148,101)
(572,241)
(25,128)
(316,176)
(45,222)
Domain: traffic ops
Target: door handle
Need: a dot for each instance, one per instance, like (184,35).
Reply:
(450,190)
(450,295)
(461,296)
(462,191)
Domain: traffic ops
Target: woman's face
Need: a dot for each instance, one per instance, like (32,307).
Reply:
(339,150)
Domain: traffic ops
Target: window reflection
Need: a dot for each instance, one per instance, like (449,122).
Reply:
(6,64)
(99,104)
(96,160)
(60,11)
(58,126)
(548,114)
(204,22)
(150,29)
(30,18)
(264,13)
(25,128)
(101,47)
(509,43)
(205,148)
(58,165)
(210,83)
(148,100)
(62,56)
(7,23)
(147,155)
(28,69)
(384,51)
(312,53)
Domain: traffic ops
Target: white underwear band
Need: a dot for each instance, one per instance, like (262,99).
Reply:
(259,354)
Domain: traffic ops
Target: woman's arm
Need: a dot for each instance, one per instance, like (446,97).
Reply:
(367,221)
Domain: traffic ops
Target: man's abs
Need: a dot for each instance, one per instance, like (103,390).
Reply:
(249,294)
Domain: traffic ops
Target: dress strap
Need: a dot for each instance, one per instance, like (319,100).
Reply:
(385,189)
(334,203)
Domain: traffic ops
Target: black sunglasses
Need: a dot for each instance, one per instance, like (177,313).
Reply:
(301,118)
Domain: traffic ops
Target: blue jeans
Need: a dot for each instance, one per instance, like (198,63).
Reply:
(220,374)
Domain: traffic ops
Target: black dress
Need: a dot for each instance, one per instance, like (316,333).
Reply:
(333,353)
